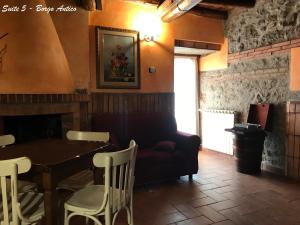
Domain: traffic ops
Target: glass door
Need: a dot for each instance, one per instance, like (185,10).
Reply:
(186,92)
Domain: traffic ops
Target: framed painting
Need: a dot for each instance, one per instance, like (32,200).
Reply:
(117,58)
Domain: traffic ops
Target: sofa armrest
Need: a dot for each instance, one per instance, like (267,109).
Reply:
(187,146)
(187,141)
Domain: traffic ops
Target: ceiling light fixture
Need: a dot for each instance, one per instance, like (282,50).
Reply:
(172,9)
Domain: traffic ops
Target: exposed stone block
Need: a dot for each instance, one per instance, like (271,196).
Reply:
(269,22)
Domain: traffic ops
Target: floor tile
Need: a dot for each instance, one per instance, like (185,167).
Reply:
(218,195)
(211,214)
(224,205)
(202,220)
(225,222)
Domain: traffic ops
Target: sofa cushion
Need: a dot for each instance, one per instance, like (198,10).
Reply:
(165,146)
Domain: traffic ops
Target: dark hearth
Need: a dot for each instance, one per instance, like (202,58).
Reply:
(29,128)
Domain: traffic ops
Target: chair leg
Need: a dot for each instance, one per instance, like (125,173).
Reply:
(131,216)
(66,222)
(191,177)
(107,216)
(131,210)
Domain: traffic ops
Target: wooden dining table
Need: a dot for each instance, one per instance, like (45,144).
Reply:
(52,161)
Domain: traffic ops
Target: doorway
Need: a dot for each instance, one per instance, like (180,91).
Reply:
(186,93)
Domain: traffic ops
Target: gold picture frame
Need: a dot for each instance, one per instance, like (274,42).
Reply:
(117,58)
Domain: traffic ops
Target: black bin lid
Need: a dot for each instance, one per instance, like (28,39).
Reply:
(260,114)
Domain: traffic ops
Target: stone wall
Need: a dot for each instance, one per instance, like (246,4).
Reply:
(262,80)
(258,71)
(269,22)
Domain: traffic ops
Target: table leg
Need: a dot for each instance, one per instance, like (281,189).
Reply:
(50,200)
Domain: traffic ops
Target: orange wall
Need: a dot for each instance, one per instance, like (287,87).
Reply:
(35,61)
(55,54)
(121,14)
(73,31)
(215,61)
(295,69)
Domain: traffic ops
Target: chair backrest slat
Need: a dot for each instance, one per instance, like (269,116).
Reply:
(114,186)
(119,183)
(8,171)
(121,187)
(88,136)
(5,210)
(6,140)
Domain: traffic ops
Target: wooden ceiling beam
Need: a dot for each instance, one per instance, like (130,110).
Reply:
(200,11)
(154,2)
(197,45)
(237,3)
(91,5)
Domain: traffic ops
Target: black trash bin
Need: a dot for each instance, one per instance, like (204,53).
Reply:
(248,146)
(248,139)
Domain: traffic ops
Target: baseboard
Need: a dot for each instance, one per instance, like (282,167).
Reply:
(272,169)
(215,152)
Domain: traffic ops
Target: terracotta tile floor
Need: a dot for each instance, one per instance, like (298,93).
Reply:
(218,195)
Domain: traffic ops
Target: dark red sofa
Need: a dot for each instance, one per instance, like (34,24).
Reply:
(163,152)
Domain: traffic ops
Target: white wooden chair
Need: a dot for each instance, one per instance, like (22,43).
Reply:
(107,200)
(88,136)
(27,208)
(23,186)
(83,178)
(6,140)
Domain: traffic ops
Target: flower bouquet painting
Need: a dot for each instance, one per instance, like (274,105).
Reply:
(117,58)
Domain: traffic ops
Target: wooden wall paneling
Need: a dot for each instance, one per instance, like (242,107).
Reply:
(105,103)
(147,103)
(1,125)
(296,156)
(152,102)
(111,103)
(290,149)
(115,103)
(293,141)
(84,118)
(291,121)
(297,107)
(132,102)
(297,124)
(296,169)
(296,147)
(100,103)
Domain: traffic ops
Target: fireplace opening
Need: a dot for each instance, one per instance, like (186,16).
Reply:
(29,128)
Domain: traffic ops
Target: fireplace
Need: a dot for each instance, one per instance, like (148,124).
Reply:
(29,117)
(29,128)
